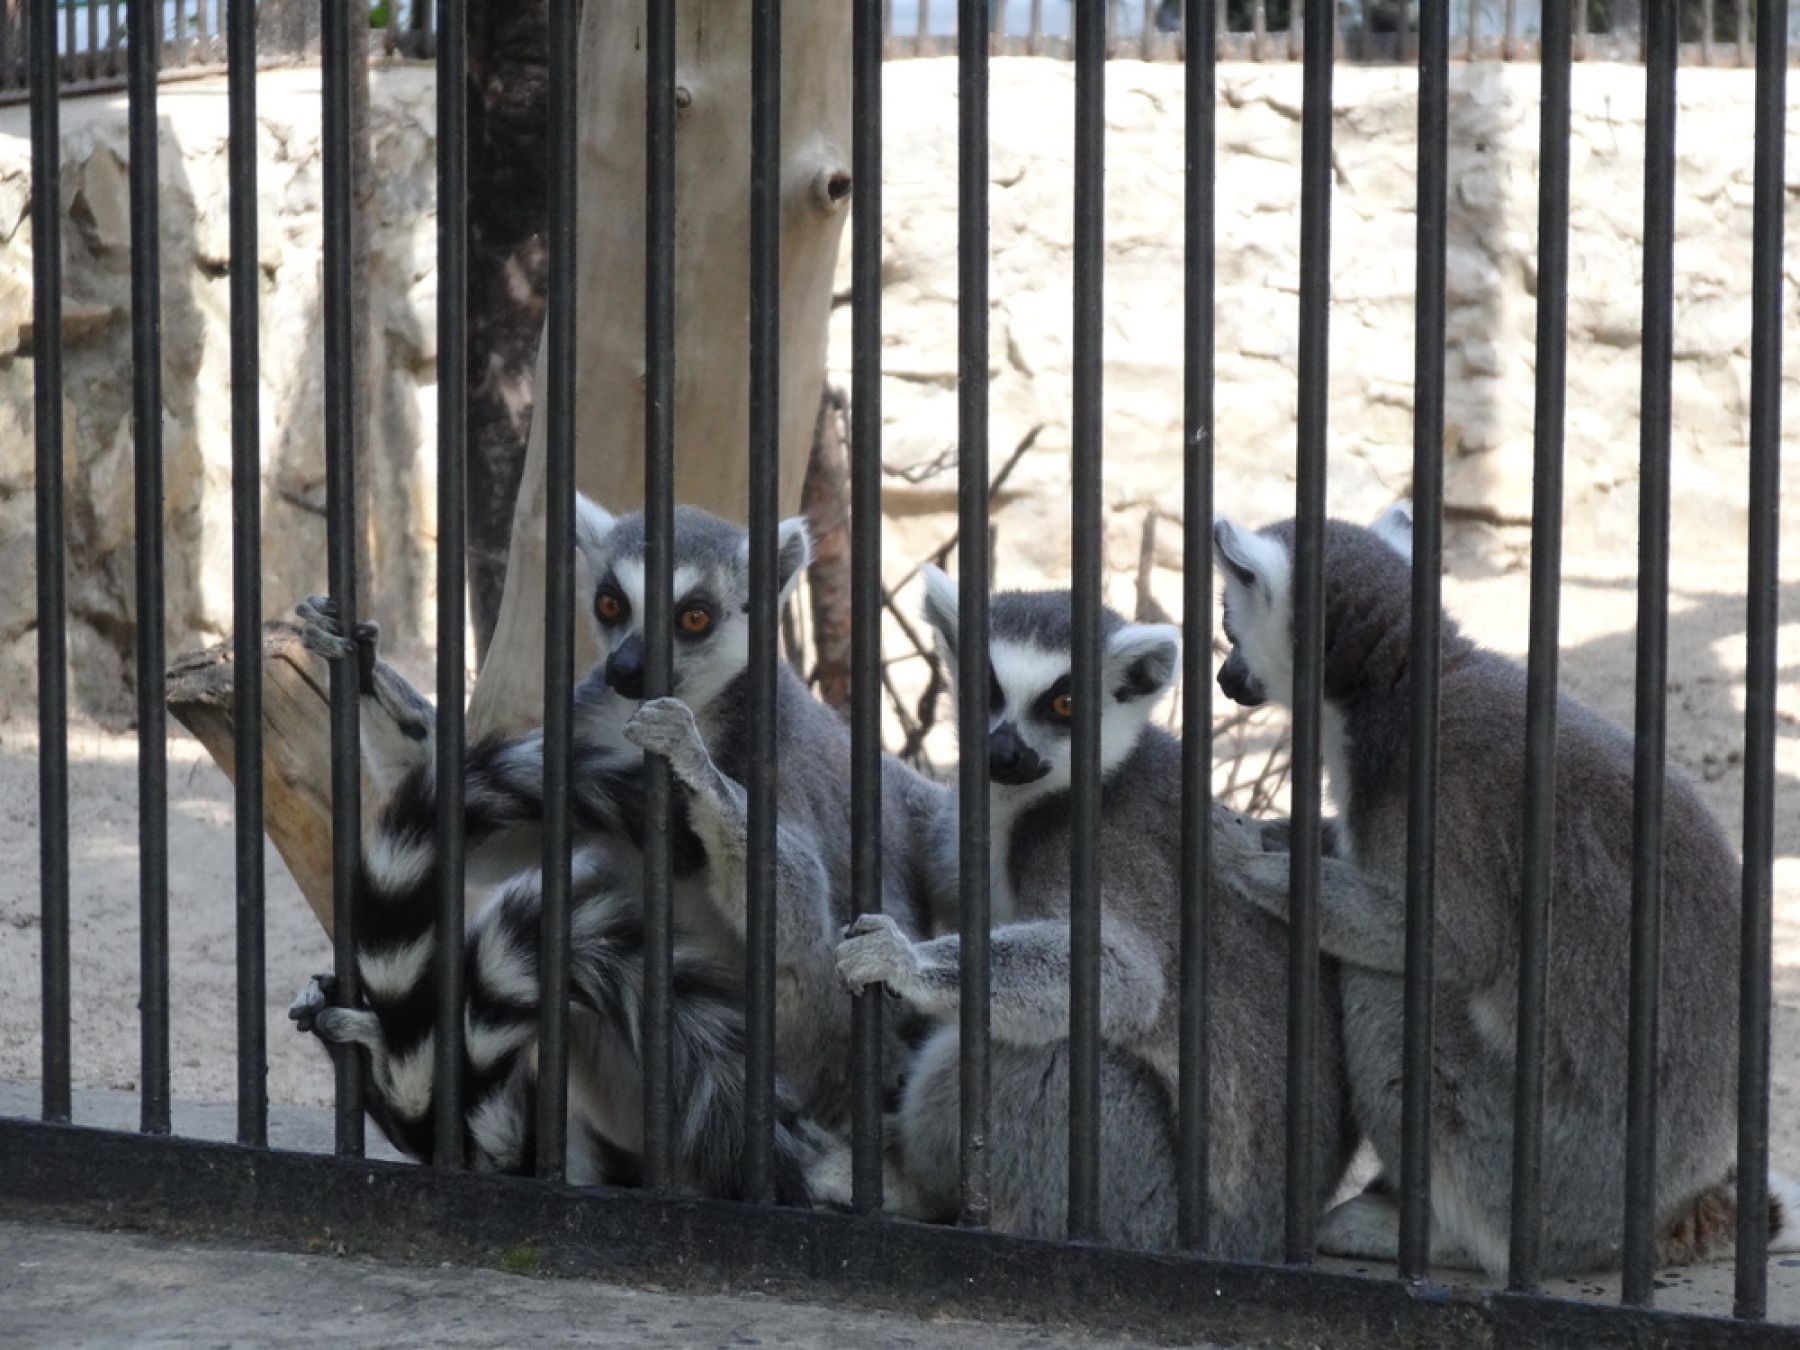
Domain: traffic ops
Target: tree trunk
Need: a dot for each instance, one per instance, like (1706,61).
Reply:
(712,194)
(508,191)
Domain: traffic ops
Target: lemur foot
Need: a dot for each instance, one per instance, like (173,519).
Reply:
(665,726)
(875,951)
(322,632)
(315,998)
(315,1010)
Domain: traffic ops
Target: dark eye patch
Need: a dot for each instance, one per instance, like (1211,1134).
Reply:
(996,699)
(1043,707)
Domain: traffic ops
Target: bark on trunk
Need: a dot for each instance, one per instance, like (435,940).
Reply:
(712,283)
(508,190)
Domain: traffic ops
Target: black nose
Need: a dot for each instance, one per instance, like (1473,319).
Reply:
(1010,760)
(1238,684)
(625,667)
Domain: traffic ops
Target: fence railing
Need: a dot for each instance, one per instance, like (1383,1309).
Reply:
(52,1162)
(92,37)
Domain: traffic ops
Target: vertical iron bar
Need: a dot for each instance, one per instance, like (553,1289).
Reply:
(91,57)
(1085,487)
(1427,566)
(202,24)
(1259,29)
(1763,619)
(1199,28)
(114,31)
(1512,29)
(865,580)
(66,66)
(1539,824)
(659,582)
(1742,34)
(559,601)
(1706,32)
(1035,46)
(153,775)
(1662,51)
(453,453)
(341,434)
(1309,628)
(246,575)
(1299,25)
(53,680)
(765,619)
(972,595)
(923,27)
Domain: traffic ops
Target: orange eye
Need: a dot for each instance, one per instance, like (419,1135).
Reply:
(1063,706)
(609,607)
(695,620)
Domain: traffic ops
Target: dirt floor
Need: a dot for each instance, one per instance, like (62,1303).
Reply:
(1485,589)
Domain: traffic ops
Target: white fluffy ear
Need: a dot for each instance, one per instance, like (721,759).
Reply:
(1141,660)
(593,524)
(941,610)
(1394,527)
(1245,556)
(793,554)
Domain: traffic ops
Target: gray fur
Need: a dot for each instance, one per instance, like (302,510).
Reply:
(1140,853)
(1481,810)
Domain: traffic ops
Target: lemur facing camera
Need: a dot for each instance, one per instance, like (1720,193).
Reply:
(1481,809)
(701,732)
(1030,717)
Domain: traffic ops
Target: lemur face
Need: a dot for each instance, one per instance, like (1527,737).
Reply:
(1258,610)
(711,596)
(1031,707)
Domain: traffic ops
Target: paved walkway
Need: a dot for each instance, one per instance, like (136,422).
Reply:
(70,1287)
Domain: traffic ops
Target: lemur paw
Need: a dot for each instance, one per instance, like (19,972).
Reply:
(322,633)
(875,951)
(314,999)
(665,726)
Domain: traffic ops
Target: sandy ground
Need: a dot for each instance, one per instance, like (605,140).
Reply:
(1486,589)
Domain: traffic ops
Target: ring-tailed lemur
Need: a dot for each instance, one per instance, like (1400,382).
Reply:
(700,732)
(1368,620)
(398,883)
(1140,864)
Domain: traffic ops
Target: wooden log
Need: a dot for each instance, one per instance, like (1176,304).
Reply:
(712,200)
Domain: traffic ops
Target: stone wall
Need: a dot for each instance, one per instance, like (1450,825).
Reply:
(1492,283)
(1492,278)
(196,370)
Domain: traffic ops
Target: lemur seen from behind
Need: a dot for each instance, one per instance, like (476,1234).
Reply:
(700,731)
(1481,810)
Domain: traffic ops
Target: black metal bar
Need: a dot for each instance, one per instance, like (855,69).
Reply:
(1662,48)
(153,775)
(1742,34)
(71,37)
(1524,1264)
(1259,29)
(114,32)
(972,590)
(765,618)
(341,434)
(1085,486)
(1309,627)
(1761,672)
(246,576)
(1199,28)
(559,600)
(453,453)
(53,678)
(659,583)
(91,57)
(865,580)
(1427,567)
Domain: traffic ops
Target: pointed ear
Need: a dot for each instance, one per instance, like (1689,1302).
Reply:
(1235,554)
(793,554)
(1394,528)
(941,609)
(1141,660)
(593,524)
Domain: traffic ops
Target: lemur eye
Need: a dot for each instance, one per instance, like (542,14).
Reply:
(695,620)
(610,606)
(1063,706)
